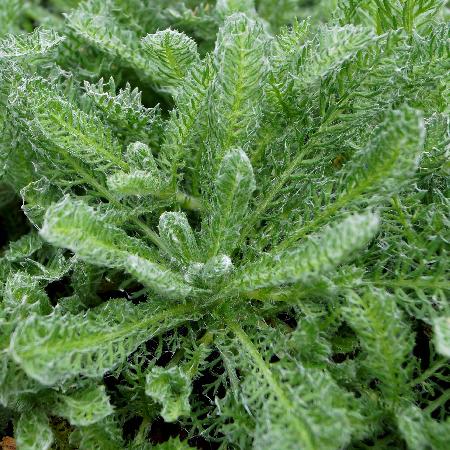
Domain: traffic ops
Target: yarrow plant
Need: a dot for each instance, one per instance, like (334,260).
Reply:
(224,224)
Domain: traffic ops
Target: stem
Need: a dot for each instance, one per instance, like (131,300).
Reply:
(429,372)
(141,435)
(438,402)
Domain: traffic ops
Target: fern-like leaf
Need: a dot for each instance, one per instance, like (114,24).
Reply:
(84,406)
(90,344)
(75,225)
(33,431)
(233,189)
(333,246)
(172,388)
(35,44)
(171,54)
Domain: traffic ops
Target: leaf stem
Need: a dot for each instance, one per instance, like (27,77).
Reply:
(438,402)
(429,372)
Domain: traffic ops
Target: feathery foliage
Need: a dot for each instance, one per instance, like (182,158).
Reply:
(224,224)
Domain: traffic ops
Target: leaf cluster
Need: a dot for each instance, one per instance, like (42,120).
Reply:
(226,220)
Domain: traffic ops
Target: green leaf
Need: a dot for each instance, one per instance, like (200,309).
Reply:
(227,7)
(389,160)
(173,444)
(37,43)
(176,232)
(241,66)
(23,295)
(106,434)
(334,245)
(37,197)
(62,346)
(320,411)
(384,337)
(291,322)
(124,109)
(329,50)
(73,224)
(146,179)
(94,22)
(10,15)
(85,406)
(162,280)
(411,423)
(216,269)
(59,127)
(420,431)
(140,156)
(136,182)
(377,171)
(185,122)
(15,384)
(171,54)
(233,188)
(392,14)
(171,387)
(23,247)
(33,431)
